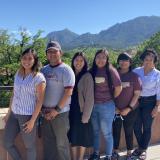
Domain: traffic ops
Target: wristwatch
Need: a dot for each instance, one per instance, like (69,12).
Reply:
(57,108)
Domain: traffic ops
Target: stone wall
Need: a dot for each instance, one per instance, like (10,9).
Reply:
(19,143)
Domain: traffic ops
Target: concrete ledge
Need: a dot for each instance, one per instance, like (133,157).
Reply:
(3,112)
(4,156)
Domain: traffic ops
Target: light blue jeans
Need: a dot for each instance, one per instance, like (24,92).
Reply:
(102,118)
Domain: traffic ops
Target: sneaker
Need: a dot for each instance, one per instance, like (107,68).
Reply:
(136,152)
(94,156)
(143,155)
(115,156)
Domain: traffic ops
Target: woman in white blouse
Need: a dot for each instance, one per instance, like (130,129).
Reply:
(25,105)
(149,102)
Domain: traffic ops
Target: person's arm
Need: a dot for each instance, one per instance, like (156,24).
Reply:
(132,104)
(116,82)
(158,105)
(61,104)
(68,82)
(156,109)
(137,85)
(134,99)
(117,91)
(40,90)
(88,98)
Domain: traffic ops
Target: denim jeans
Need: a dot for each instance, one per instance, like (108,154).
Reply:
(143,124)
(102,118)
(13,127)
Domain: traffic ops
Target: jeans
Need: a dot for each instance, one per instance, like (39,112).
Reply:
(128,125)
(143,124)
(55,140)
(14,126)
(102,118)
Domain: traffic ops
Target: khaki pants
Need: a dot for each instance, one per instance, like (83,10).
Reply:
(55,140)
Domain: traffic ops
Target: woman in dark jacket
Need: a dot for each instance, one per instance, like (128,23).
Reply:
(80,133)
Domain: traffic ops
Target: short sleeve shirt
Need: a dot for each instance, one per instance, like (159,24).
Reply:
(57,79)
(24,99)
(102,91)
(130,83)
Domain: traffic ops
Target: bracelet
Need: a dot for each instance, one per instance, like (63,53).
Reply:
(130,107)
(57,108)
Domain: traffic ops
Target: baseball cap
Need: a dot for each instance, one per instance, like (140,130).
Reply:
(124,56)
(54,45)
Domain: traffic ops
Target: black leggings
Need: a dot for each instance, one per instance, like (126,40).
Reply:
(128,124)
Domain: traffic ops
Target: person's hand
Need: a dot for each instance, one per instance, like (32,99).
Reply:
(117,111)
(51,115)
(125,111)
(84,120)
(28,126)
(154,112)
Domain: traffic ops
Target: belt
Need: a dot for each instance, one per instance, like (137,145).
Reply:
(45,109)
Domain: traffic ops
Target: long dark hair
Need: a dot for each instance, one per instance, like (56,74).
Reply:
(108,67)
(36,66)
(85,67)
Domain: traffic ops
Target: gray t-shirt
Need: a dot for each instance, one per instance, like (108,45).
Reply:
(57,79)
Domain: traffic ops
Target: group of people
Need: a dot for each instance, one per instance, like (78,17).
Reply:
(78,104)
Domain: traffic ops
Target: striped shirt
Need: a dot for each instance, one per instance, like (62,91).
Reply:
(24,99)
(150,82)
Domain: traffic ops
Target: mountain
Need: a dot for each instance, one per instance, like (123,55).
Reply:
(64,37)
(120,35)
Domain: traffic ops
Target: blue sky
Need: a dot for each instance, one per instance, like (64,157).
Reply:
(80,16)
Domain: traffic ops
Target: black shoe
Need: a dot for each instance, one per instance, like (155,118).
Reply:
(94,156)
(130,157)
(115,156)
(137,152)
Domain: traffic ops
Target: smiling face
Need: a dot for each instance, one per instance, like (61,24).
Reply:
(101,60)
(148,61)
(27,61)
(78,63)
(124,64)
(54,56)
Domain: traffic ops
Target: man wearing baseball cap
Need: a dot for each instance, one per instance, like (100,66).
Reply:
(60,82)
